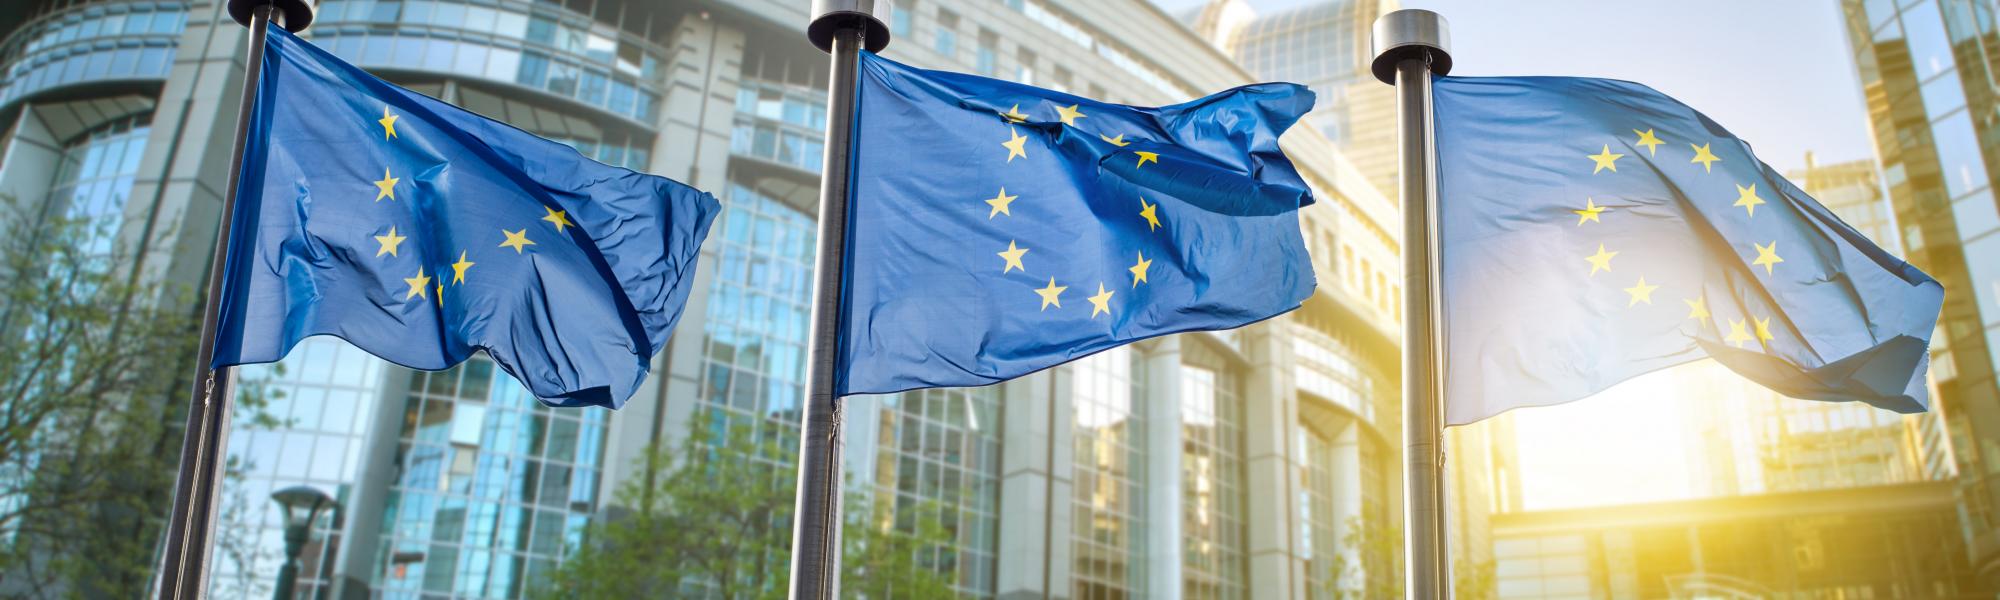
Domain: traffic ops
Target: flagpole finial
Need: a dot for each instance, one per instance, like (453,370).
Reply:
(297,14)
(1410,33)
(833,15)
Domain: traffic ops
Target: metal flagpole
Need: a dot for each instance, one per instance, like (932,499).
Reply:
(1410,46)
(841,28)
(184,565)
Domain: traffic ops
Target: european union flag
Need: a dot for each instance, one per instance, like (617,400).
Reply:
(421,233)
(998,229)
(1594,230)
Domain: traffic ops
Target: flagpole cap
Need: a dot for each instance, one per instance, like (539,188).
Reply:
(833,15)
(1411,33)
(297,14)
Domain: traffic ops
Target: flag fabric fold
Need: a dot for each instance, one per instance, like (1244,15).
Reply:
(422,233)
(998,229)
(1594,230)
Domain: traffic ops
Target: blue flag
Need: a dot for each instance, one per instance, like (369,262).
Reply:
(421,233)
(1595,230)
(999,229)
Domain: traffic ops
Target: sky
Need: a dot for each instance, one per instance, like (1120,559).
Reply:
(1786,93)
(1775,72)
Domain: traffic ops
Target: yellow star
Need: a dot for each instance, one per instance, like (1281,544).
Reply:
(1589,213)
(389,242)
(1118,140)
(1000,203)
(1139,270)
(1017,146)
(1605,160)
(1746,197)
(1069,115)
(1703,156)
(388,122)
(1767,256)
(1649,141)
(419,285)
(516,240)
(1013,115)
(1100,303)
(1737,333)
(1152,216)
(1697,308)
(1146,157)
(440,297)
(1601,261)
(1051,295)
(1764,330)
(1641,292)
(386,188)
(458,270)
(1013,256)
(559,217)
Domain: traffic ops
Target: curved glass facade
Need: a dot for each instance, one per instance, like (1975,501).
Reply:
(532,45)
(322,395)
(493,489)
(94,179)
(92,42)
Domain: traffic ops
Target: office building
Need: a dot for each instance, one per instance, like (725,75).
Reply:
(1925,70)
(1234,464)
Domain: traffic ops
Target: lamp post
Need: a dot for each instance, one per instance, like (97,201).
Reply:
(302,505)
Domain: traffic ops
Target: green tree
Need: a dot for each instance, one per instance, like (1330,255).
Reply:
(1372,567)
(713,519)
(93,371)
(894,552)
(1475,581)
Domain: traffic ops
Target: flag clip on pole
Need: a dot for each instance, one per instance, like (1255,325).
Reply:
(183,571)
(1410,46)
(841,28)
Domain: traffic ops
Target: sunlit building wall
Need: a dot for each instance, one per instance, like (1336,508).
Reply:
(1926,70)
(1871,542)
(1255,463)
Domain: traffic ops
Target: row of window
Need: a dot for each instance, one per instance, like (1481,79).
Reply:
(561,32)
(106,21)
(618,94)
(780,123)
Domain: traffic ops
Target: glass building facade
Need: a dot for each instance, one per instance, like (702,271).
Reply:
(1210,465)
(1927,69)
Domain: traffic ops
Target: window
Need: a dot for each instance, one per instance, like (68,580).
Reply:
(1025,71)
(989,52)
(94,179)
(947,33)
(899,19)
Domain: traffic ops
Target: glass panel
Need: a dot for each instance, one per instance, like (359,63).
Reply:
(1959,157)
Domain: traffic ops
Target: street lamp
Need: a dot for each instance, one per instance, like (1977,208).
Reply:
(302,504)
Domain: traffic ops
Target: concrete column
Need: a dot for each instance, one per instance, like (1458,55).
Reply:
(693,148)
(176,203)
(354,571)
(1347,497)
(1036,474)
(1271,465)
(29,155)
(1162,443)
